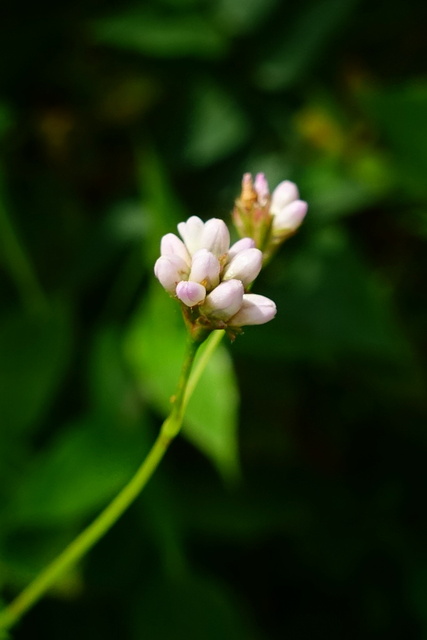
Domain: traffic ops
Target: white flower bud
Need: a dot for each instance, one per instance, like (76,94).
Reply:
(190,293)
(255,309)
(224,301)
(216,237)
(172,245)
(285,193)
(245,266)
(240,245)
(170,270)
(191,232)
(205,269)
(290,217)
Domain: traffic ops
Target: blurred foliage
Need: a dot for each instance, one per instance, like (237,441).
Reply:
(296,511)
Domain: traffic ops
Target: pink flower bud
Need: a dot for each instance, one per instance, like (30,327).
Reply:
(283,194)
(172,245)
(240,245)
(245,266)
(205,269)
(190,293)
(170,270)
(224,301)
(261,187)
(191,232)
(216,237)
(255,309)
(290,217)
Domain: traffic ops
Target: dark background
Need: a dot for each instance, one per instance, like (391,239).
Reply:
(117,123)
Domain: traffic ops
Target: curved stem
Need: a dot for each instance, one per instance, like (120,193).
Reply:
(89,536)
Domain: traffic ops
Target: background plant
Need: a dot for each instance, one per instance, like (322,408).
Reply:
(114,127)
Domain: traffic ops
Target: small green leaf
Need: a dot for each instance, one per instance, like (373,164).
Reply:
(155,348)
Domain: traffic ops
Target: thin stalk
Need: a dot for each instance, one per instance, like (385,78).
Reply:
(99,527)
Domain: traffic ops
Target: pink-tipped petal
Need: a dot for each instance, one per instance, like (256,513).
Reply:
(190,293)
(245,266)
(290,217)
(240,245)
(170,270)
(224,301)
(282,195)
(261,187)
(255,309)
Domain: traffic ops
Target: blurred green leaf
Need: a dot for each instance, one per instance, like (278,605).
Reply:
(162,208)
(330,305)
(155,348)
(84,466)
(34,355)
(196,607)
(237,17)
(160,35)
(400,114)
(112,392)
(304,40)
(217,126)
(335,189)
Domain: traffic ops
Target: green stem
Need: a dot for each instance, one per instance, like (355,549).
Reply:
(88,538)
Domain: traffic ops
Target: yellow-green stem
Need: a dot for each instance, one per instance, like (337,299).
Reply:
(88,538)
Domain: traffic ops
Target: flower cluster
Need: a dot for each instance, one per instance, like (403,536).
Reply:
(268,219)
(210,278)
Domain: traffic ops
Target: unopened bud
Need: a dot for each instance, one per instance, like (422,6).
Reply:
(216,237)
(240,245)
(283,194)
(261,188)
(191,232)
(289,218)
(255,309)
(190,293)
(245,266)
(172,245)
(205,269)
(224,301)
(170,270)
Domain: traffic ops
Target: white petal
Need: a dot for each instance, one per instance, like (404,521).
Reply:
(205,268)
(172,245)
(255,309)
(245,266)
(216,236)
(224,301)
(191,232)
(283,194)
(170,270)
(240,245)
(290,217)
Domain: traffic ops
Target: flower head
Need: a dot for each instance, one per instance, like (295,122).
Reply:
(210,278)
(268,219)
